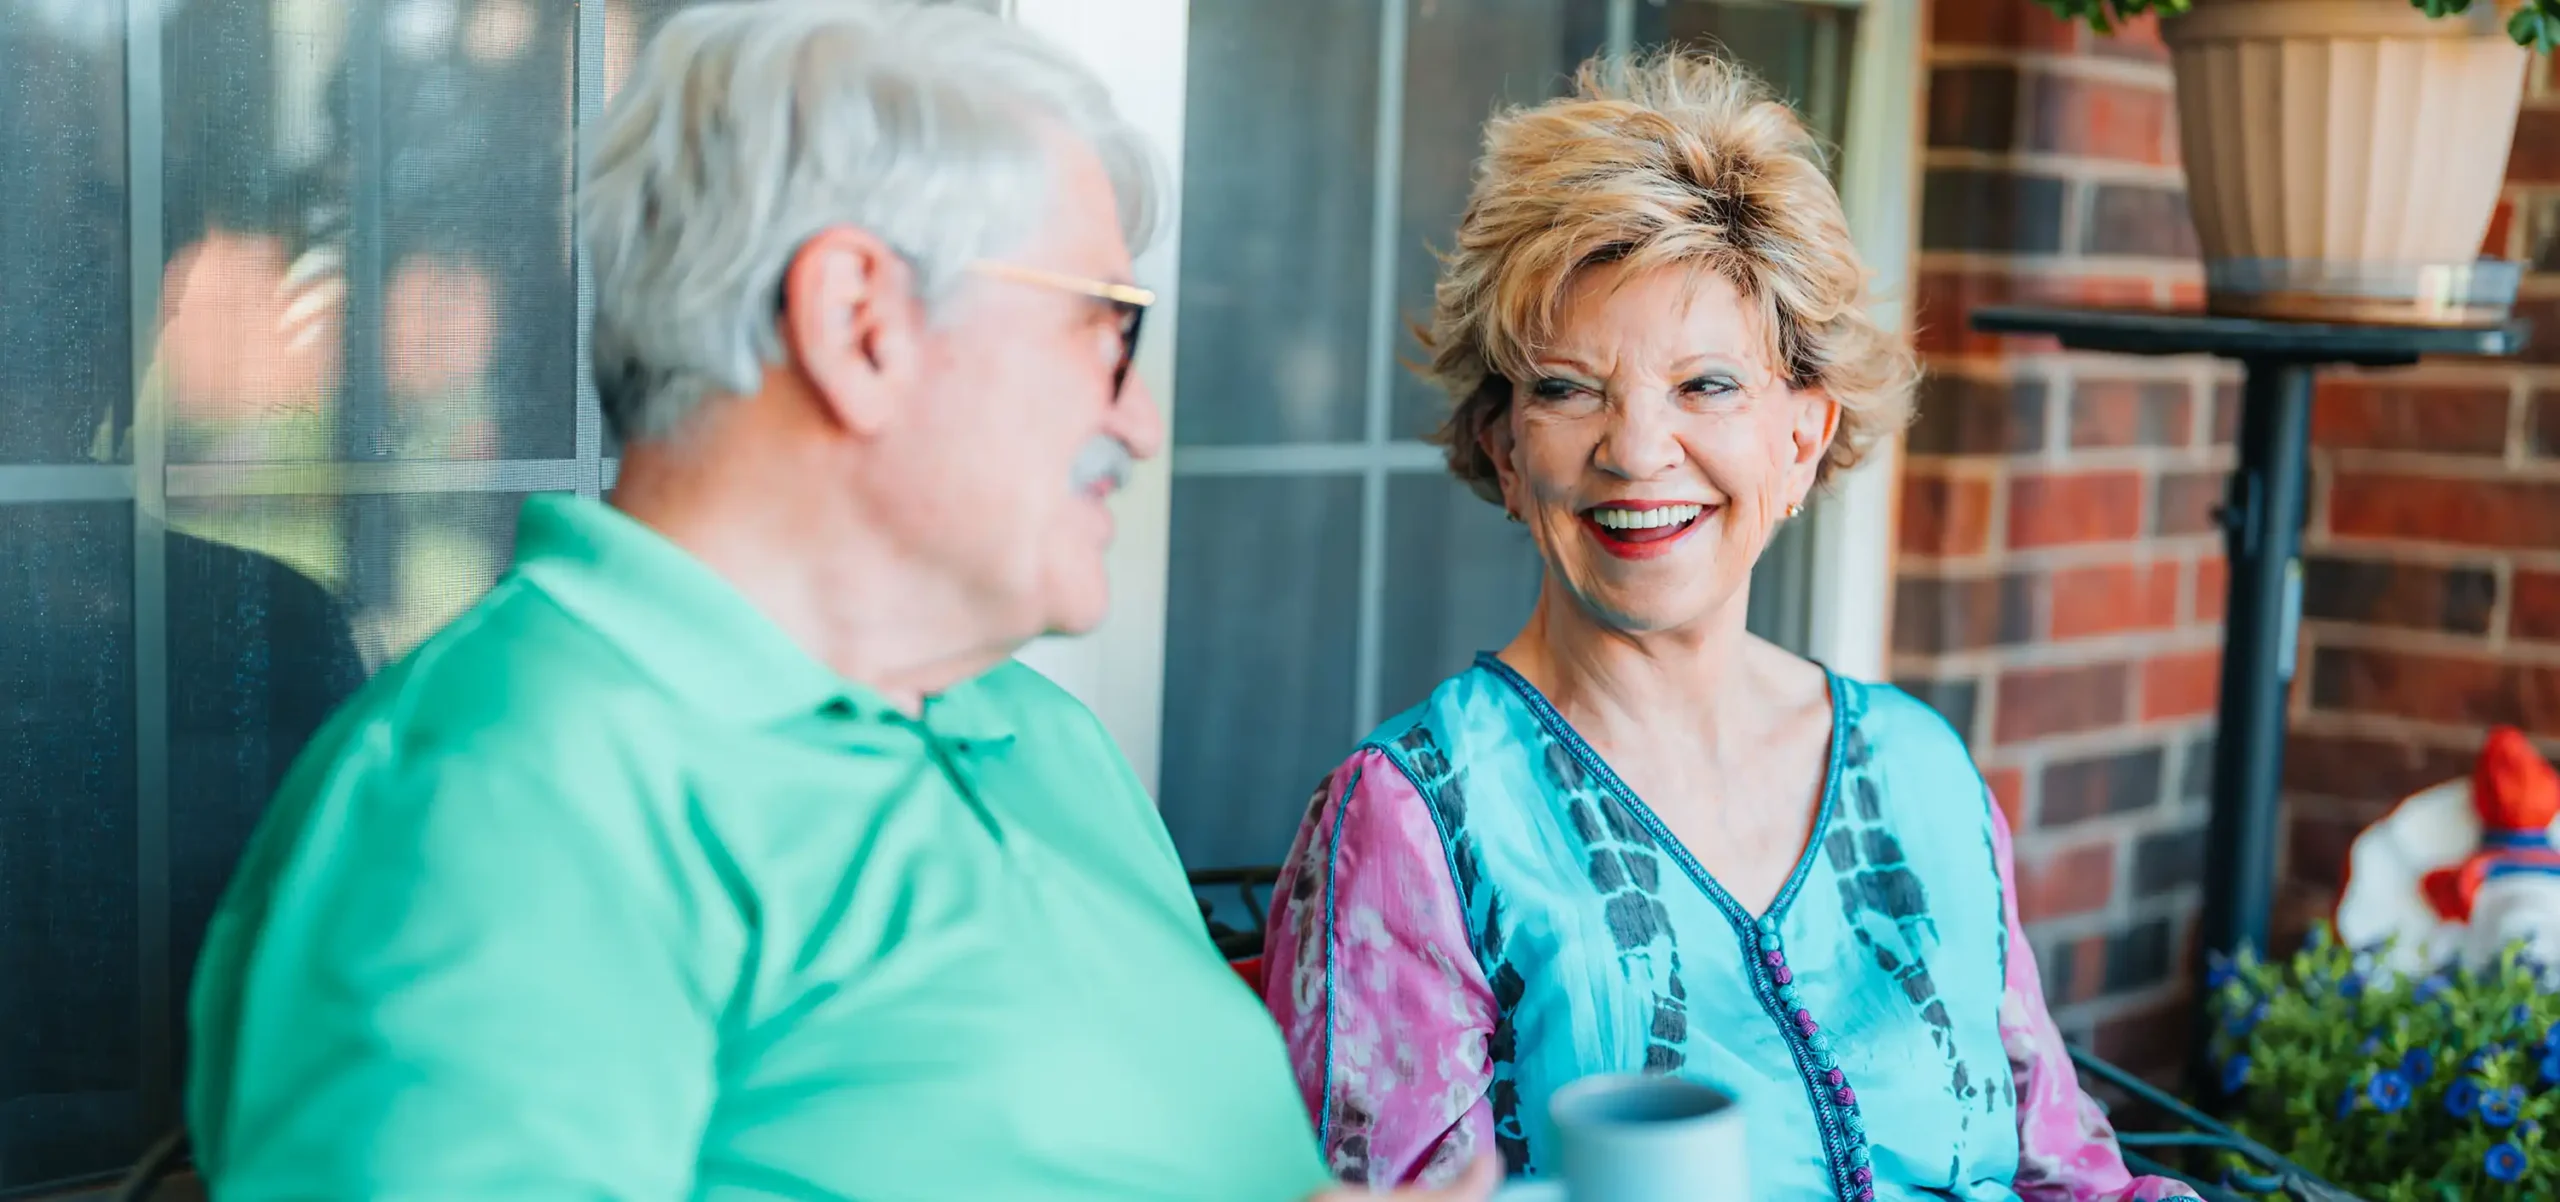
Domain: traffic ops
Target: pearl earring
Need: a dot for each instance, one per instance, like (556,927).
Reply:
(1795,508)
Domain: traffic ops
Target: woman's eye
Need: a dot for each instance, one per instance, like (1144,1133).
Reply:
(1711,387)
(1552,389)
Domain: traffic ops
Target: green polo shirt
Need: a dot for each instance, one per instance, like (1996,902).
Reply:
(610,891)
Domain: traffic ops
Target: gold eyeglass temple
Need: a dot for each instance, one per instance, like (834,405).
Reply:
(1127,294)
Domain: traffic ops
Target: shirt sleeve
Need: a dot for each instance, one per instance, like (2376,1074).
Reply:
(1369,971)
(2066,1147)
(458,978)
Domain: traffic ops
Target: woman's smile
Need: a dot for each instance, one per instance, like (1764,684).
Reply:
(1643,529)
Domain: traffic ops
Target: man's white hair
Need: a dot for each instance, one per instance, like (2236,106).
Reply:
(748,127)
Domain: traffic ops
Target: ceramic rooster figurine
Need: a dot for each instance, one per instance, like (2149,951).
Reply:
(2464,869)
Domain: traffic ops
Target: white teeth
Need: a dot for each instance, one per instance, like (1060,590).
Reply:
(1645,519)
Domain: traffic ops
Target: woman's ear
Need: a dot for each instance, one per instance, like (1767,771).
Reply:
(1494,439)
(1817,423)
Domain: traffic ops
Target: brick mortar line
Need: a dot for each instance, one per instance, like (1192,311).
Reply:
(2116,919)
(2067,65)
(2164,548)
(2073,460)
(2529,558)
(2502,605)
(2045,659)
(2098,1011)
(2459,740)
(2182,550)
(2446,644)
(2362,810)
(2431,555)
(2113,740)
(1996,515)
(2519,448)
(2133,647)
(2058,165)
(2124,827)
(2079,204)
(2389,727)
(2052,408)
(2037,755)
(2188,457)
(2443,465)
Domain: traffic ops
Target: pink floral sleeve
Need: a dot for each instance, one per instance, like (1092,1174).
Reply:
(2066,1148)
(1368,969)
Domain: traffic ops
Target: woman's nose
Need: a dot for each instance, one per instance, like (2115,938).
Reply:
(1640,443)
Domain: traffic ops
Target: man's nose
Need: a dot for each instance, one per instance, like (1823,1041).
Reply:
(1136,420)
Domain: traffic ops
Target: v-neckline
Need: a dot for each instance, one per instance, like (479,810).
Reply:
(1592,762)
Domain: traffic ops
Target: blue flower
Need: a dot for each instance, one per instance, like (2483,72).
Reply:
(2245,1021)
(2430,987)
(2347,1100)
(2372,1044)
(2235,1074)
(2220,973)
(2551,1068)
(2353,986)
(2479,1059)
(2389,1091)
(2499,1109)
(2462,1097)
(2505,1161)
(2418,1065)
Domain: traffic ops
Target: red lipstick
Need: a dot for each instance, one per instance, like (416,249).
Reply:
(1647,542)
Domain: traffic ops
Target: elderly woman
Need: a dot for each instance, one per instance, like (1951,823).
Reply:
(1638,839)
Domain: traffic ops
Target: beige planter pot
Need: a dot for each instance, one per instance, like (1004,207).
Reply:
(2337,140)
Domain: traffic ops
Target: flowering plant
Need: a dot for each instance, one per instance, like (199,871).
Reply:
(2391,1086)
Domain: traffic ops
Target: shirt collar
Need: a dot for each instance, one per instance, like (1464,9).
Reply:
(699,637)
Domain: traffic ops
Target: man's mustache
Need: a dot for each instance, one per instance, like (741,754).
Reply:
(1103,465)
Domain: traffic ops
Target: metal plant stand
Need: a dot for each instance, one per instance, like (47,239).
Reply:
(2261,518)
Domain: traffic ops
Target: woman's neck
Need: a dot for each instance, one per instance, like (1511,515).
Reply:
(1617,686)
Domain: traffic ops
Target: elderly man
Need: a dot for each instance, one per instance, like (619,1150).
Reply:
(722,851)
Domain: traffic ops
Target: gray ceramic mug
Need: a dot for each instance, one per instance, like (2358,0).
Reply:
(1629,1138)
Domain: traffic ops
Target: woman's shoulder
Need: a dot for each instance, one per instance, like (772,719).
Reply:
(1459,712)
(1901,742)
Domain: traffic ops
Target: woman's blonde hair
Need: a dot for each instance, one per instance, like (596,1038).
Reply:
(1679,158)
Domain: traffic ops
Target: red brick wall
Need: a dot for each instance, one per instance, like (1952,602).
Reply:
(2060,583)
(2057,587)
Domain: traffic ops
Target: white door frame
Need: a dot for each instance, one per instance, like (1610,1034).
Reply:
(1853,532)
(1140,49)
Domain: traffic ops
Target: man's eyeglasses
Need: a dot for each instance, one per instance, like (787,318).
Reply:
(1129,301)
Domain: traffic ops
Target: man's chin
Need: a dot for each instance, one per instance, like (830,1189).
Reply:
(1080,615)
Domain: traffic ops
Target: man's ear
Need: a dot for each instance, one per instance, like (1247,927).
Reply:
(854,325)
